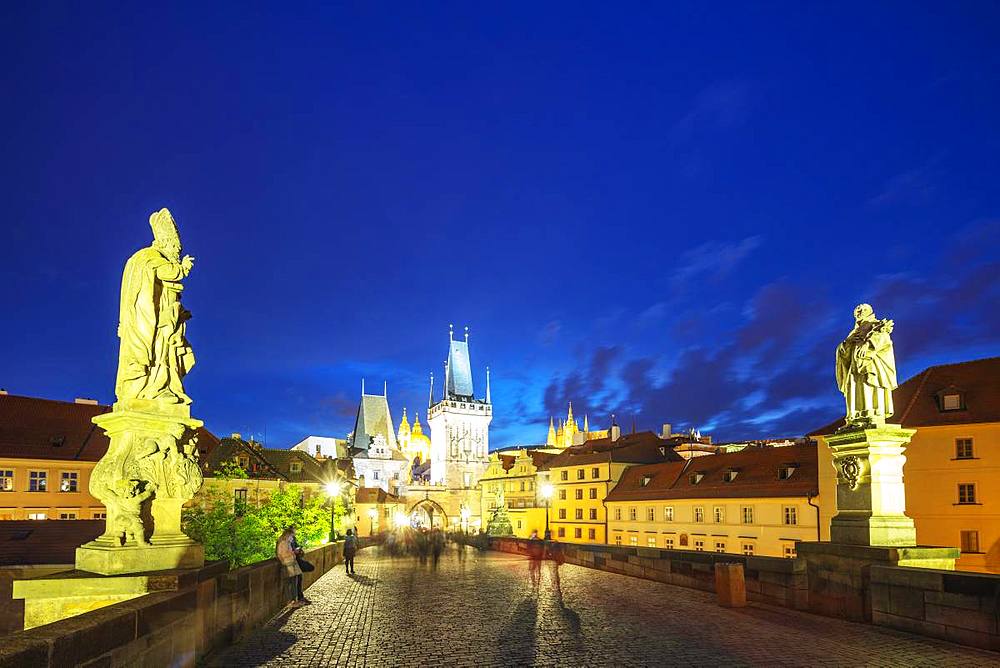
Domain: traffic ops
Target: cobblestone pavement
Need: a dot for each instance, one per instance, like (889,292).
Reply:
(483,609)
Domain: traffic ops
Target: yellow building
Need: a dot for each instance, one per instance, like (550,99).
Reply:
(518,479)
(952,470)
(583,475)
(758,501)
(569,433)
(414,443)
(376,510)
(48,450)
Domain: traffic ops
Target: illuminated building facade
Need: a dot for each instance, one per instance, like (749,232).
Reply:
(758,501)
(516,479)
(378,461)
(569,433)
(414,444)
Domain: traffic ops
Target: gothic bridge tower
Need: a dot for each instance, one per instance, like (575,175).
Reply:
(459,422)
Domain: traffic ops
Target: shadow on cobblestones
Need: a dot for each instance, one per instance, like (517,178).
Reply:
(363,580)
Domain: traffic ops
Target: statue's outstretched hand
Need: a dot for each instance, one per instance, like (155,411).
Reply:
(187,262)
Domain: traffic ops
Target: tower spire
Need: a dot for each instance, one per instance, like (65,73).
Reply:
(362,386)
(385,388)
(451,332)
(444,385)
(487,377)
(430,396)
(466,333)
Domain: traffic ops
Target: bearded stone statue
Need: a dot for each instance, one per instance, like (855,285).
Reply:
(155,354)
(866,369)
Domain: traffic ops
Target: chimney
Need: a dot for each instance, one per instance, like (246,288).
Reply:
(3,391)
(616,431)
(85,400)
(665,432)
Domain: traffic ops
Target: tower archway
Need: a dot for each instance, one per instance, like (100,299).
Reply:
(429,514)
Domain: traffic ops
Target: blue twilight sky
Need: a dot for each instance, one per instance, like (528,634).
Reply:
(664,210)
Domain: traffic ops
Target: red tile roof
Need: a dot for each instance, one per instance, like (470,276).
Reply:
(643,447)
(757,476)
(917,400)
(24,542)
(374,495)
(32,428)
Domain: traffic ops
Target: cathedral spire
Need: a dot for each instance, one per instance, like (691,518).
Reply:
(569,417)
(551,439)
(586,422)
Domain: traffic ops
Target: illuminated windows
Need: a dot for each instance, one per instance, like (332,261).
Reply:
(699,514)
(6,481)
(68,482)
(748,549)
(789,551)
(579,513)
(719,514)
(790,515)
(970,541)
(562,513)
(38,481)
(631,513)
(593,513)
(967,493)
(618,513)
(699,545)
(595,473)
(720,546)
(592,534)
(668,513)
(651,541)
(593,492)
(747,514)
(651,514)
(578,492)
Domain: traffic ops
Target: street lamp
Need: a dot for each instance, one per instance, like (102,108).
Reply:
(402,520)
(333,489)
(466,513)
(547,490)
(372,514)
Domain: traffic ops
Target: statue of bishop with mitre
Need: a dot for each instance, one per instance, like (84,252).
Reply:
(866,369)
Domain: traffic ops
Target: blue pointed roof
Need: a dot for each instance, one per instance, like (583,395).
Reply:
(459,381)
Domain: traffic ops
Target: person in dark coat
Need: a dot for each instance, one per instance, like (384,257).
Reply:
(350,549)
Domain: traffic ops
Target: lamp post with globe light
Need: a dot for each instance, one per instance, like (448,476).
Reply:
(333,489)
(547,490)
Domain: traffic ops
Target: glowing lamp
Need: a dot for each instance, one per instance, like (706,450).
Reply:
(547,490)
(333,488)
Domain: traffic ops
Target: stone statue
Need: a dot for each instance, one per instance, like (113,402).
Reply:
(152,459)
(155,355)
(866,369)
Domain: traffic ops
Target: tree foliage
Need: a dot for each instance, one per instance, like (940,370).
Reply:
(243,533)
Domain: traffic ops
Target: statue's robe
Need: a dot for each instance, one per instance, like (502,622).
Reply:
(866,371)
(153,356)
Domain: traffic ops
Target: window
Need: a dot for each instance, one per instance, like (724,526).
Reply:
(786,470)
(374,475)
(618,539)
(592,534)
(240,495)
(578,533)
(100,515)
(699,545)
(562,513)
(579,513)
(789,551)
(695,478)
(6,481)
(747,514)
(633,540)
(951,401)
(578,492)
(618,513)
(522,485)
(645,480)
(69,481)
(295,467)
(595,473)
(790,515)
(967,492)
(37,482)
(593,492)
(719,514)
(37,516)
(651,541)
(970,541)
(579,474)
(651,514)
(963,448)
(244,462)
(730,476)
(720,546)
(593,513)
(699,514)
(561,532)
(669,542)
(668,513)
(564,475)
(631,513)
(748,549)
(67,516)
(562,494)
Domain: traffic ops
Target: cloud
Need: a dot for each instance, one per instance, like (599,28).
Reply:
(713,259)
(587,387)
(914,186)
(549,333)
(721,106)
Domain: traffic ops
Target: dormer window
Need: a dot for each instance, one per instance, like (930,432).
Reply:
(646,479)
(295,467)
(785,471)
(951,399)
(730,475)
(695,478)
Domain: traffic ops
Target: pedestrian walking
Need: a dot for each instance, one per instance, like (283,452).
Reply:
(350,549)
(285,551)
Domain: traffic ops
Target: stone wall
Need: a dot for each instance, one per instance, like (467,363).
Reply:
(12,610)
(214,608)
(768,579)
(958,606)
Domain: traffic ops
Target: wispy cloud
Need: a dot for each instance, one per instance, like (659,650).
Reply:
(721,106)
(713,259)
(914,186)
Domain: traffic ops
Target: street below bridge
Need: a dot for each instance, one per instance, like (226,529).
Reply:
(491,609)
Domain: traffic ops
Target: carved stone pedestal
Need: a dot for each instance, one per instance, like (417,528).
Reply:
(148,473)
(871,499)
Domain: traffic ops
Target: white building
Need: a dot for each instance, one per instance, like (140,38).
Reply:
(459,423)
(378,461)
(323,447)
